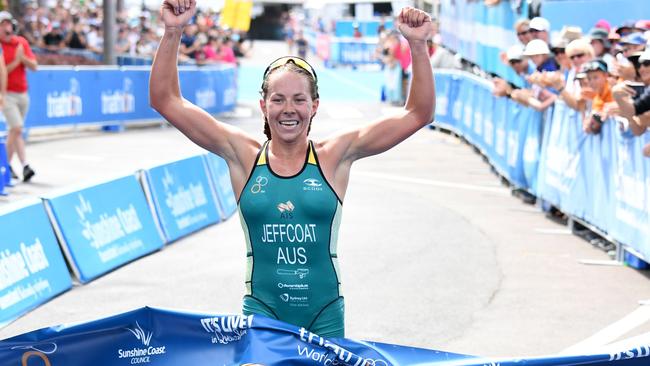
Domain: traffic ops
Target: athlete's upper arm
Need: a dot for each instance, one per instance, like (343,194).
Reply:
(378,136)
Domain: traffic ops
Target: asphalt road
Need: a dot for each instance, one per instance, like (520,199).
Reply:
(434,250)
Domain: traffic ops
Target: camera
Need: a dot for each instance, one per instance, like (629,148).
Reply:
(596,123)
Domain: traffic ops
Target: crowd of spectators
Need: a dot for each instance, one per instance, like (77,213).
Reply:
(603,74)
(72,33)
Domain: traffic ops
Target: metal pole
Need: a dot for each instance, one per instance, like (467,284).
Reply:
(109,33)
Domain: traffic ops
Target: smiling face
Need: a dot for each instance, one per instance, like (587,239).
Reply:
(288,106)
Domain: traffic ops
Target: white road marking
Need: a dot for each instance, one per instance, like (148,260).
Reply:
(611,332)
(600,262)
(435,183)
(552,231)
(79,157)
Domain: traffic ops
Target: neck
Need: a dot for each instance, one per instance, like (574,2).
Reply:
(288,150)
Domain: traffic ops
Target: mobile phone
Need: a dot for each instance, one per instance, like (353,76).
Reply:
(637,86)
(596,123)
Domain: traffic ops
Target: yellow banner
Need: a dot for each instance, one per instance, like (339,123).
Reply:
(236,14)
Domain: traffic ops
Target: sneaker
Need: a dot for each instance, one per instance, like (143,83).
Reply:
(13,174)
(28,173)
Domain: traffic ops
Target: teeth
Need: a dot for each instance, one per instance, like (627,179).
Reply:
(289,123)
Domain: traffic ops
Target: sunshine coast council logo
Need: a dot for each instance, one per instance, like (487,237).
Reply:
(142,354)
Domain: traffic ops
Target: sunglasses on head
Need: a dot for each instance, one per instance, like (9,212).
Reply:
(294,60)
(577,55)
(594,66)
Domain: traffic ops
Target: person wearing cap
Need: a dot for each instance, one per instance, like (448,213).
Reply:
(578,51)
(540,54)
(18,56)
(600,42)
(530,95)
(631,44)
(289,179)
(597,75)
(539,28)
(634,104)
(558,49)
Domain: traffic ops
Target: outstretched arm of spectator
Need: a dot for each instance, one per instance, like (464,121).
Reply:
(623,97)
(573,101)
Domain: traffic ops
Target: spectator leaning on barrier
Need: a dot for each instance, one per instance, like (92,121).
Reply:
(600,42)
(522,28)
(602,100)
(629,45)
(633,99)
(18,56)
(539,28)
(540,54)
(532,96)
(558,49)
(578,51)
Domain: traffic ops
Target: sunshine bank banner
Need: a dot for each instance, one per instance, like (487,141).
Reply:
(150,336)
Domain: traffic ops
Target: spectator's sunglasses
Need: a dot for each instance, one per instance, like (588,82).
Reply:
(558,50)
(514,61)
(294,60)
(523,33)
(577,55)
(645,63)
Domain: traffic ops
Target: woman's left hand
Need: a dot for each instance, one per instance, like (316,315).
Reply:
(414,24)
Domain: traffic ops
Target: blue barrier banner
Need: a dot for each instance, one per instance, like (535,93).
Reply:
(5,174)
(630,191)
(220,174)
(32,269)
(531,125)
(103,95)
(602,178)
(356,52)
(104,226)
(479,32)
(165,337)
(182,197)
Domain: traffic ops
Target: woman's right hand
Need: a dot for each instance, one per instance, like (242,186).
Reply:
(177,13)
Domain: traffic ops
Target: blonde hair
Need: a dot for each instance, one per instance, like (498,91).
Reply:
(521,22)
(580,45)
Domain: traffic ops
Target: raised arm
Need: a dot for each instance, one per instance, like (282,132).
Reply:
(165,96)
(415,25)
